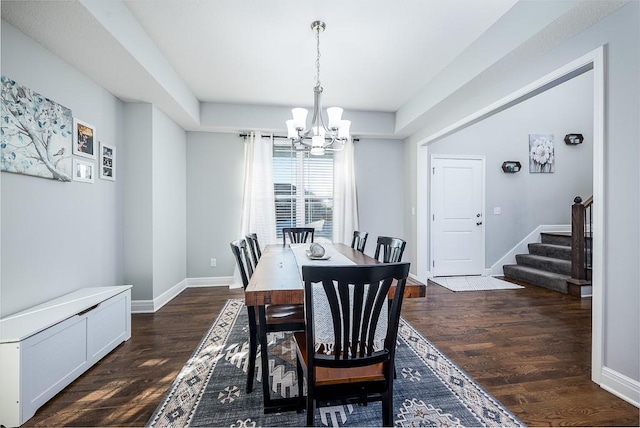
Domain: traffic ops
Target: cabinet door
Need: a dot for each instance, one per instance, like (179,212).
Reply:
(52,359)
(108,326)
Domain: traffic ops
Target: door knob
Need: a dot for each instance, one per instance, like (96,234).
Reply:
(478,215)
(478,223)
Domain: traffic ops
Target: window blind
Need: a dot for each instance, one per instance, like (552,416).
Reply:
(303,187)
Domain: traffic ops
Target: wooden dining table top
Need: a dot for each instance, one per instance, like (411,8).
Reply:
(277,280)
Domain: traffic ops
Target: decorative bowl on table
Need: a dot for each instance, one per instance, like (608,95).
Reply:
(317,252)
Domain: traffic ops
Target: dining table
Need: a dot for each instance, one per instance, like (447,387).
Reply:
(277,281)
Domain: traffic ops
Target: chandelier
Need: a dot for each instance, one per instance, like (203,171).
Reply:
(319,136)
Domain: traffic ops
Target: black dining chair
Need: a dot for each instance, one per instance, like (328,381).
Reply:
(359,240)
(358,369)
(279,317)
(254,248)
(297,235)
(392,249)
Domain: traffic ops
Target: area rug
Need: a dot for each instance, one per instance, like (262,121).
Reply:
(429,390)
(474,283)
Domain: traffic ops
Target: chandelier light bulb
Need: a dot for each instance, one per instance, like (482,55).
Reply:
(299,117)
(344,131)
(335,116)
(292,132)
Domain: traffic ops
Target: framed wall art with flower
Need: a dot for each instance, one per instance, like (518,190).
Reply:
(541,153)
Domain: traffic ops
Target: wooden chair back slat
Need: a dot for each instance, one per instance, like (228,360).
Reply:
(392,249)
(359,240)
(239,249)
(254,248)
(297,235)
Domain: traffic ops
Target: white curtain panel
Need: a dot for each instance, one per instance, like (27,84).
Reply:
(345,202)
(258,207)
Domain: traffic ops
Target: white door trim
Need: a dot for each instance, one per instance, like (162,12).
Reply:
(594,60)
(482,159)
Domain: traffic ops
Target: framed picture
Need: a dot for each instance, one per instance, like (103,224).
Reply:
(541,153)
(107,162)
(29,117)
(84,139)
(83,171)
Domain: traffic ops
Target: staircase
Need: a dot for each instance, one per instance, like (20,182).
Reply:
(547,265)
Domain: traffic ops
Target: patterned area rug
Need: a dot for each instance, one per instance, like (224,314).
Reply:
(474,283)
(210,390)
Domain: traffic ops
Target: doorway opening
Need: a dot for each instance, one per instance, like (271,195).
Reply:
(593,60)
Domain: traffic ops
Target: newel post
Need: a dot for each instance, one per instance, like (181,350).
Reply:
(577,240)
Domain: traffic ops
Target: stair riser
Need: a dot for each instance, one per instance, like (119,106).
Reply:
(562,267)
(555,284)
(555,239)
(558,252)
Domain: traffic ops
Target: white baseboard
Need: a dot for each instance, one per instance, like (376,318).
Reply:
(522,247)
(142,307)
(151,306)
(212,281)
(621,386)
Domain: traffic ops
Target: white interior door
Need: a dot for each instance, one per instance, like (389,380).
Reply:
(457,216)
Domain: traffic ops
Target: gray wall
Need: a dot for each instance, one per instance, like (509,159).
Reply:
(138,200)
(379,168)
(58,237)
(215,174)
(169,154)
(620,33)
(215,169)
(528,200)
(155,201)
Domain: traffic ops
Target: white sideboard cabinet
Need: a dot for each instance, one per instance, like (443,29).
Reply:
(44,348)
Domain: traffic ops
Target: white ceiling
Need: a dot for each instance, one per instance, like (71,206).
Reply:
(239,65)
(376,54)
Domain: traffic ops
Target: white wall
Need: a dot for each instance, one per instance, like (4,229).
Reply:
(58,237)
(528,200)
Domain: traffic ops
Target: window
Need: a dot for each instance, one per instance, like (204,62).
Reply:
(303,187)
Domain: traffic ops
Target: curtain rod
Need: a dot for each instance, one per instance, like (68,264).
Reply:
(282,137)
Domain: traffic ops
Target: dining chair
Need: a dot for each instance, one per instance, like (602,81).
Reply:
(254,248)
(297,234)
(392,249)
(359,240)
(360,366)
(279,317)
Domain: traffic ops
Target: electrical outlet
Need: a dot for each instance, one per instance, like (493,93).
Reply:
(213,262)
(497,210)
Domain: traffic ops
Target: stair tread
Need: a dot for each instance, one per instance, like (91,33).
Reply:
(545,258)
(538,271)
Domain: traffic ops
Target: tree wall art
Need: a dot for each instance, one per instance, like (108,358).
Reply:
(36,133)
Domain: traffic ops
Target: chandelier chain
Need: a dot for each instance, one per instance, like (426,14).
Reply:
(318,56)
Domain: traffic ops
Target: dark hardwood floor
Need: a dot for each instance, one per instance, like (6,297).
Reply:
(530,348)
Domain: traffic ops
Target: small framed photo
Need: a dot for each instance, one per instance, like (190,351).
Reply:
(84,139)
(83,171)
(107,162)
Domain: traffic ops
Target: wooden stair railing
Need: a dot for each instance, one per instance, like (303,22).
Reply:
(581,242)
